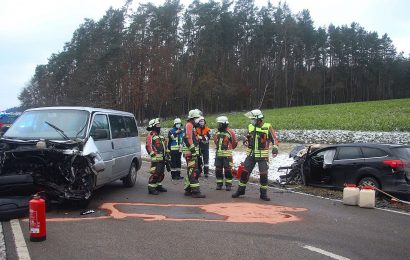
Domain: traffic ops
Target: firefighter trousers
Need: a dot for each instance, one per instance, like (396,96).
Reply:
(223,168)
(191,182)
(249,164)
(203,161)
(157,175)
(175,164)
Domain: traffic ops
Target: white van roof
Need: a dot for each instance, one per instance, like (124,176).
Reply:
(89,109)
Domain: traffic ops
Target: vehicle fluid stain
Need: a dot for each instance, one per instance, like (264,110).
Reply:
(218,212)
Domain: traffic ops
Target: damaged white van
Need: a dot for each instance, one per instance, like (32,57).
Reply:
(70,151)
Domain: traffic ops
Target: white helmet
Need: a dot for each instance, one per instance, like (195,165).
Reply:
(177,121)
(254,114)
(194,113)
(222,120)
(153,122)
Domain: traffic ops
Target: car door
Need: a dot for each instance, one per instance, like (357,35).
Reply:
(100,132)
(120,145)
(315,166)
(133,146)
(347,161)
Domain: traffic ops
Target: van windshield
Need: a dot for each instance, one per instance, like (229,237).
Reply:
(50,124)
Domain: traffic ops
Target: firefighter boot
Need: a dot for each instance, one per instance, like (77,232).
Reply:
(206,171)
(187,192)
(219,186)
(161,189)
(239,192)
(198,195)
(178,175)
(152,191)
(228,187)
(264,195)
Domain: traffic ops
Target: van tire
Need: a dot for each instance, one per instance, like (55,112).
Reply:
(130,180)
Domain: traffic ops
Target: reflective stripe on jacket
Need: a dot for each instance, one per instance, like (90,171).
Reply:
(225,142)
(190,139)
(258,140)
(175,139)
(155,145)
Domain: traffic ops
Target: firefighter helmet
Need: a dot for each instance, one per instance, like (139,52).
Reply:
(177,121)
(153,122)
(222,120)
(194,113)
(254,114)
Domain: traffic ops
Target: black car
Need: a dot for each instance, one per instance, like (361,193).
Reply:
(385,166)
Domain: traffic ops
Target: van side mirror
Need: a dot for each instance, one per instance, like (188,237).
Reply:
(100,134)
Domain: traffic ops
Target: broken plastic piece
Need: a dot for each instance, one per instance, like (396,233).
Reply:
(89,211)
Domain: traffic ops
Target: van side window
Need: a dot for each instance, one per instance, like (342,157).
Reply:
(99,128)
(117,127)
(349,153)
(131,126)
(373,152)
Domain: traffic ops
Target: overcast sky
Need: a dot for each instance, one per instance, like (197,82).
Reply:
(32,30)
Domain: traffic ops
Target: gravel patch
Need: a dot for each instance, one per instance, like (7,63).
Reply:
(2,244)
(329,136)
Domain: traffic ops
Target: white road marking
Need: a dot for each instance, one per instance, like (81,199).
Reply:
(326,253)
(320,197)
(2,244)
(21,246)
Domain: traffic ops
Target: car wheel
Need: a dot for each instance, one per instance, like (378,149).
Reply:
(131,178)
(369,181)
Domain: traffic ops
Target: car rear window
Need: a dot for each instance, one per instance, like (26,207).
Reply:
(373,152)
(349,153)
(402,152)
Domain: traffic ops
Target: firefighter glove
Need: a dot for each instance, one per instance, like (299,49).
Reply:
(275,150)
(192,149)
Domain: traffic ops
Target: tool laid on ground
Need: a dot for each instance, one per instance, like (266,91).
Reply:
(392,197)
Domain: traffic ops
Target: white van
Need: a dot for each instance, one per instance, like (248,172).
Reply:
(71,151)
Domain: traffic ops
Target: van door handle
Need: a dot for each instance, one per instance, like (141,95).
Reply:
(112,145)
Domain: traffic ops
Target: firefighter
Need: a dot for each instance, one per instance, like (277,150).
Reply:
(225,141)
(204,134)
(190,151)
(156,148)
(259,136)
(175,136)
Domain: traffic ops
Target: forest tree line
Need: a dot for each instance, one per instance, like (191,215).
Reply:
(218,57)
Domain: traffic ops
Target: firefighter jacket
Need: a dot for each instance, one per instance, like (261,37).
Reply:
(225,142)
(175,139)
(190,140)
(204,134)
(258,139)
(155,146)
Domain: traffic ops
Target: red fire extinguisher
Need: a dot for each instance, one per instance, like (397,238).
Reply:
(240,170)
(37,221)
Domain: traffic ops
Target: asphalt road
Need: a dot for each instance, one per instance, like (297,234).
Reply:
(173,226)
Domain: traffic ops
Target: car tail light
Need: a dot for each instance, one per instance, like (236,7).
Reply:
(394,164)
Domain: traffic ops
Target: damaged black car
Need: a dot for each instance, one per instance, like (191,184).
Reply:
(68,152)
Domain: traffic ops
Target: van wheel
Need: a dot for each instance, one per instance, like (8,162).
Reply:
(369,181)
(131,178)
